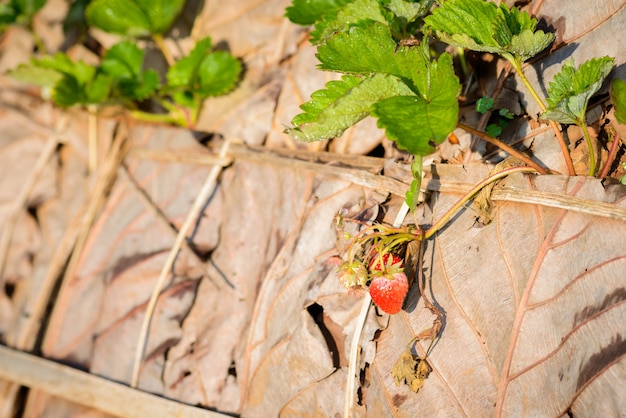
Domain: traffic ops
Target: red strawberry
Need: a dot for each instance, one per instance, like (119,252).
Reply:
(388,292)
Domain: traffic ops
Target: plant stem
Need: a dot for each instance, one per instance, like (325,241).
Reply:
(611,157)
(446,217)
(592,155)
(157,117)
(518,68)
(158,40)
(512,151)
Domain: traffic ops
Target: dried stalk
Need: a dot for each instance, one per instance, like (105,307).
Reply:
(192,216)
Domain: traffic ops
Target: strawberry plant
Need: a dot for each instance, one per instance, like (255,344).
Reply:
(21,12)
(383,50)
(121,77)
(386,52)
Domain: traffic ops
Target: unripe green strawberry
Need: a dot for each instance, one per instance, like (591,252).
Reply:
(388,292)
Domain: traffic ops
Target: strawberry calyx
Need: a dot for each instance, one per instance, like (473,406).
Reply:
(385,265)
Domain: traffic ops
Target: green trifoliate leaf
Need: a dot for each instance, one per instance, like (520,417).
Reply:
(307,12)
(123,63)
(571,89)
(371,50)
(419,123)
(342,104)
(482,26)
(134,17)
(204,72)
(183,73)
(618,96)
(358,13)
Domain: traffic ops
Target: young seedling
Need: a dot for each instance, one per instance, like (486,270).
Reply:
(569,94)
(121,77)
(21,12)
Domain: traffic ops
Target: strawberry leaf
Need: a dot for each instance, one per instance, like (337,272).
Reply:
(372,50)
(123,62)
(418,123)
(134,17)
(183,73)
(342,104)
(482,26)
(204,72)
(358,13)
(307,12)
(409,11)
(618,96)
(19,11)
(571,89)
(218,73)
(38,76)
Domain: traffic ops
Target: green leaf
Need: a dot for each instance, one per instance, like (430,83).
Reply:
(123,17)
(419,123)
(342,104)
(618,96)
(123,63)
(484,104)
(307,12)
(218,74)
(371,50)
(409,11)
(571,89)
(183,73)
(98,89)
(19,11)
(412,195)
(358,13)
(204,72)
(27,8)
(482,26)
(123,60)
(38,76)
(134,17)
(148,84)
(161,13)
(58,62)
(493,130)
